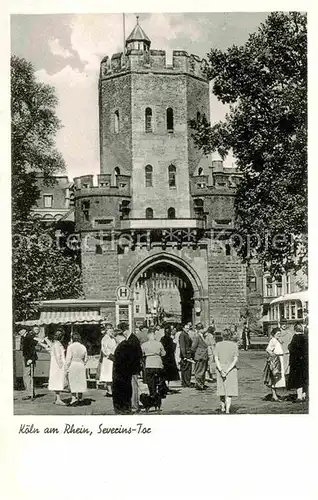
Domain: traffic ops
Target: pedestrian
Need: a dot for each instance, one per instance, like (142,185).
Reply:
(191,331)
(108,347)
(142,333)
(76,359)
(135,364)
(186,362)
(57,367)
(298,374)
(29,357)
(177,345)
(226,357)
(153,352)
(121,380)
(210,340)
(276,363)
(199,350)
(170,370)
(246,339)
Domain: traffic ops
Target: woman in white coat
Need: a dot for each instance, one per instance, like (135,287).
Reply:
(275,348)
(107,350)
(76,359)
(57,367)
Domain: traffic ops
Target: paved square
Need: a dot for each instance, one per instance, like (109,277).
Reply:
(183,402)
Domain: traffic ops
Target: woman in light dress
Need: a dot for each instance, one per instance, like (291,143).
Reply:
(226,357)
(76,359)
(107,350)
(57,367)
(275,348)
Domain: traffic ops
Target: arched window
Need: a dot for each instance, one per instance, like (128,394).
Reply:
(116,173)
(116,122)
(171,213)
(148,120)
(170,120)
(200,171)
(198,207)
(149,213)
(148,175)
(172,175)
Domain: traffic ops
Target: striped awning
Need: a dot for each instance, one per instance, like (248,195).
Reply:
(69,317)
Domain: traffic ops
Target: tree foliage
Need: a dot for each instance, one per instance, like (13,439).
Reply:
(41,269)
(34,125)
(44,268)
(264,82)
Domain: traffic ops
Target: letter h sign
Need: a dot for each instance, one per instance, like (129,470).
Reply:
(123,292)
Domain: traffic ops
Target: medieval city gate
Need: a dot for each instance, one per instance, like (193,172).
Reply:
(163,275)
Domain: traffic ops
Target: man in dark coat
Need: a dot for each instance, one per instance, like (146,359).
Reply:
(199,350)
(30,357)
(185,357)
(127,366)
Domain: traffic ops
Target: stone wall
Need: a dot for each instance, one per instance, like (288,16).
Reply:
(100,272)
(159,148)
(115,148)
(227,289)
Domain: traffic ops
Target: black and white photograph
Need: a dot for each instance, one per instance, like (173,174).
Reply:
(159,214)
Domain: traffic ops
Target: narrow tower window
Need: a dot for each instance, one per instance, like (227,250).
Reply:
(172,176)
(116,122)
(171,213)
(148,120)
(200,171)
(149,213)
(148,176)
(115,175)
(170,120)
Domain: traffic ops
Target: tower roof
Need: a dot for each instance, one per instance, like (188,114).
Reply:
(138,34)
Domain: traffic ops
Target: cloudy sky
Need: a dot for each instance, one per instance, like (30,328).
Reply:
(66,51)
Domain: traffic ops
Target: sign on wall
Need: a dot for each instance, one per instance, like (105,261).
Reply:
(123,292)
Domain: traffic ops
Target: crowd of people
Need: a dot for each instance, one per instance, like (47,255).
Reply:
(158,356)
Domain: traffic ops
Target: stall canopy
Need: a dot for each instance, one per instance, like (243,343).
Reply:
(64,318)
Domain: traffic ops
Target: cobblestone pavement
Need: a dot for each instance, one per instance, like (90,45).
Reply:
(183,402)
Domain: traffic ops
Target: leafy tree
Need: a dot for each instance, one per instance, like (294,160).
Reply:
(264,83)
(40,268)
(34,125)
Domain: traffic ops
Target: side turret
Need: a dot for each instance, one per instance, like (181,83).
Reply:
(101,206)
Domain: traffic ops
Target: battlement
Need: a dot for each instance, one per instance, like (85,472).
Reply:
(107,185)
(153,61)
(224,180)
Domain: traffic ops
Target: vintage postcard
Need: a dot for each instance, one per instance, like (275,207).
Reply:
(159,225)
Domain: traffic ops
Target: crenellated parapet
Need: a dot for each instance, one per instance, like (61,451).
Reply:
(153,61)
(107,185)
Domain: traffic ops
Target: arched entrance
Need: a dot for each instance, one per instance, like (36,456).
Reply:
(165,289)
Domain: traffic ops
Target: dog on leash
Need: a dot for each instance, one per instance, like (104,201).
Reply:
(148,401)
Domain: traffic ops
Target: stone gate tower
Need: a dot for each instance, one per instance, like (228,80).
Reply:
(153,218)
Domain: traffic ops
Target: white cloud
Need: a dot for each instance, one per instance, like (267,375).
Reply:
(78,111)
(57,49)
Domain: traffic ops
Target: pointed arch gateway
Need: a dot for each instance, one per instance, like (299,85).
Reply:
(168,268)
